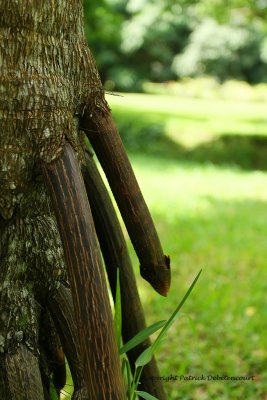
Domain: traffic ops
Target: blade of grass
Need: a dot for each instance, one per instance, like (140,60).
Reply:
(129,373)
(134,384)
(52,392)
(146,356)
(146,395)
(124,368)
(117,316)
(141,336)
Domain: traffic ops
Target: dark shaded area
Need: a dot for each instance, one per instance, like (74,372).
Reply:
(143,136)
(247,152)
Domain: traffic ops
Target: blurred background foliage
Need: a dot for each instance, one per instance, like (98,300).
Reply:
(163,40)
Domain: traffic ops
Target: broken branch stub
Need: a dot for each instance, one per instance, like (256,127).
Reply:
(93,314)
(104,137)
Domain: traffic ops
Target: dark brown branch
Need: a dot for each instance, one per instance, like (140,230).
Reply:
(20,376)
(93,315)
(103,134)
(52,360)
(115,253)
(62,312)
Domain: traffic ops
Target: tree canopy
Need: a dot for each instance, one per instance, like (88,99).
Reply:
(158,40)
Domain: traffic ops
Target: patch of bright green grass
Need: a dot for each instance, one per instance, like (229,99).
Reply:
(216,220)
(211,213)
(217,131)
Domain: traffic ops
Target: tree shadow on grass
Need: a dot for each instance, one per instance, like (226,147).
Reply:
(248,152)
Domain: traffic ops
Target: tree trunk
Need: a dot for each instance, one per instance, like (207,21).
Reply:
(48,77)
(49,81)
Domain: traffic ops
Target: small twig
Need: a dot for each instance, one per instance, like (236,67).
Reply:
(114,94)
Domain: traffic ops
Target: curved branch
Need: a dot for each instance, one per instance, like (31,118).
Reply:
(103,134)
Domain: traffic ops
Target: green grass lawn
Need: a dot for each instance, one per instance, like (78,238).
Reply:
(202,166)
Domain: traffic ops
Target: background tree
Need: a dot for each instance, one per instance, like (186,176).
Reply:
(161,41)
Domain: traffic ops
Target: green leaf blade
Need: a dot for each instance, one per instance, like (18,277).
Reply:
(53,392)
(118,315)
(146,356)
(146,395)
(178,308)
(142,336)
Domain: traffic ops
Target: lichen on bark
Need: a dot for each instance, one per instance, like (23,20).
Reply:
(49,83)
(32,266)
(48,78)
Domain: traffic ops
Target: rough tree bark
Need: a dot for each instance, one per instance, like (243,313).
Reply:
(48,85)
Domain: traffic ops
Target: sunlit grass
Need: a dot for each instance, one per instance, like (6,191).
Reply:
(213,219)
(190,122)
(191,107)
(210,213)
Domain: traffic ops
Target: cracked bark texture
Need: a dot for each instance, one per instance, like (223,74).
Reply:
(48,77)
(48,81)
